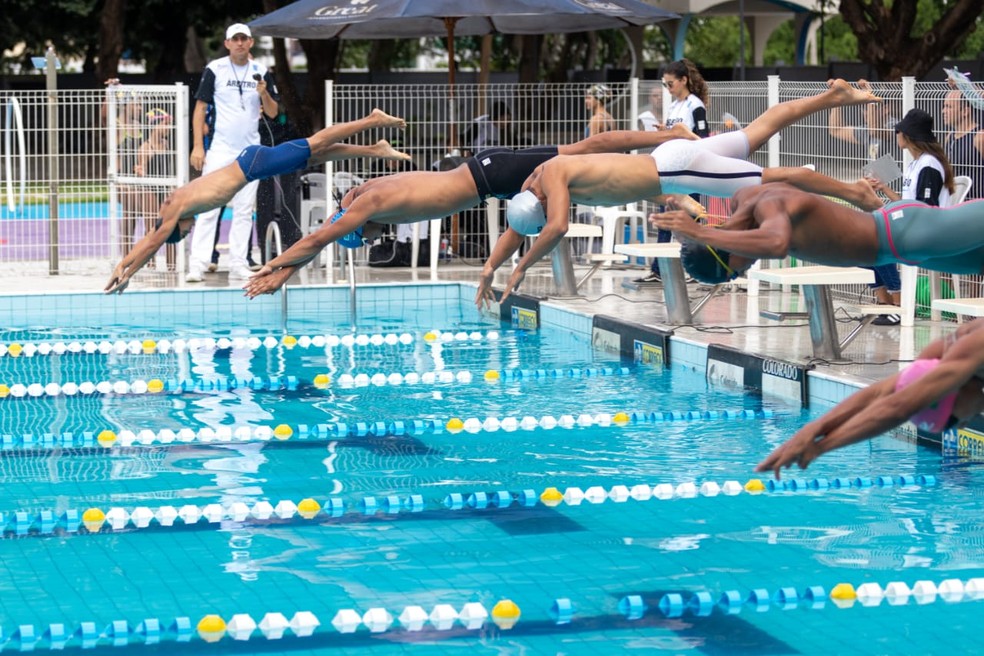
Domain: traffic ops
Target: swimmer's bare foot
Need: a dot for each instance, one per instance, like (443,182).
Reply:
(845,94)
(866,197)
(384,120)
(683,131)
(383,150)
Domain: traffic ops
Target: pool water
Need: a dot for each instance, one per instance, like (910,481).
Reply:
(412,514)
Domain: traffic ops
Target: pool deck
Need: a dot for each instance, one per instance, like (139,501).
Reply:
(731,319)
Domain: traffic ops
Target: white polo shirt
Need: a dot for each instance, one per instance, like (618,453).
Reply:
(232,90)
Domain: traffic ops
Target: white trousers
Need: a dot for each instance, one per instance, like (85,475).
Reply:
(203,236)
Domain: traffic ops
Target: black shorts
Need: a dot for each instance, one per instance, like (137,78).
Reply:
(501,172)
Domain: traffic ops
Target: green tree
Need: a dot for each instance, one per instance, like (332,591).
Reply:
(909,37)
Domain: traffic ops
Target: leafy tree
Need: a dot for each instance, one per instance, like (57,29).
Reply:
(908,37)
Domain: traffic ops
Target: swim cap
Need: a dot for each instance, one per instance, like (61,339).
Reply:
(936,416)
(157,115)
(352,239)
(176,234)
(600,92)
(706,264)
(525,214)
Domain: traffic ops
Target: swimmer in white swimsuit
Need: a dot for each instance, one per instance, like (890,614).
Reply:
(713,166)
(941,390)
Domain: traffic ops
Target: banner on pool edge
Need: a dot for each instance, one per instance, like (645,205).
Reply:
(522,312)
(733,368)
(643,344)
(966,442)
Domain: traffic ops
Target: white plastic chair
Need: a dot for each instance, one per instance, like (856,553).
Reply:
(314,208)
(612,219)
(962,185)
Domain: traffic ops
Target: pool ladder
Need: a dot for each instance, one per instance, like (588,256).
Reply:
(273,237)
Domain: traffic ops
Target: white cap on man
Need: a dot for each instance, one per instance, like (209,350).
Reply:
(525,214)
(238,28)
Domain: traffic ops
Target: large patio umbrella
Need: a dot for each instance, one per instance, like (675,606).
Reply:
(399,19)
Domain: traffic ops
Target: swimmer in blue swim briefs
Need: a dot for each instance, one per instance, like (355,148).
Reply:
(178,211)
(776,220)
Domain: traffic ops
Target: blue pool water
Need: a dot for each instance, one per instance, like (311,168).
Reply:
(432,532)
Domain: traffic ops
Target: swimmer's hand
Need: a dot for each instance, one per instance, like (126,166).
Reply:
(677,221)
(802,448)
(687,204)
(119,280)
(485,297)
(515,280)
(267,280)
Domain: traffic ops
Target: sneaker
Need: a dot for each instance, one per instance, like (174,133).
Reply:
(253,266)
(652,278)
(239,272)
(887,320)
(194,275)
(212,267)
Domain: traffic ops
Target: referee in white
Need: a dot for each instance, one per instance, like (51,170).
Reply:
(239,88)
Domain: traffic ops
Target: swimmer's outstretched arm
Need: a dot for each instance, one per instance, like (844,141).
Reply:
(138,256)
(556,198)
(878,408)
(622,141)
(770,239)
(509,242)
(305,250)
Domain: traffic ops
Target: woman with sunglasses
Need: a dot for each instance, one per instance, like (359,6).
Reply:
(689,92)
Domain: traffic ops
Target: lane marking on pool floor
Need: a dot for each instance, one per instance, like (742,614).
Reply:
(474,616)
(149,346)
(96,520)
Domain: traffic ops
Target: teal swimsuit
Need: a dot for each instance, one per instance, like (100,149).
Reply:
(948,239)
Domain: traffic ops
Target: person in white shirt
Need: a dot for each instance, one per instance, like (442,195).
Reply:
(240,89)
(928,179)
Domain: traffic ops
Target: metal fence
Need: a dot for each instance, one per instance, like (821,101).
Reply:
(73,200)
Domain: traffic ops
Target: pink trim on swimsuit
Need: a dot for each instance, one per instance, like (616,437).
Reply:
(936,417)
(888,231)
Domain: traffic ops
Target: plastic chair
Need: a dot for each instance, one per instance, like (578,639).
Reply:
(314,204)
(962,185)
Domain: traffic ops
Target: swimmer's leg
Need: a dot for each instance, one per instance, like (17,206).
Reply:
(777,117)
(322,139)
(379,150)
(858,193)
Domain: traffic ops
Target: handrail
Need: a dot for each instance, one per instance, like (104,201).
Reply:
(273,235)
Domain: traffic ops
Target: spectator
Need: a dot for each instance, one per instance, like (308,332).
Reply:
(129,137)
(595,100)
(928,178)
(689,93)
(154,160)
(964,140)
(240,89)
(652,118)
(871,140)
(492,129)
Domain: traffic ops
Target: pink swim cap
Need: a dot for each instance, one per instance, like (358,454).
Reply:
(936,416)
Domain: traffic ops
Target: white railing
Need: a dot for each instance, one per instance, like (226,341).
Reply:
(101,209)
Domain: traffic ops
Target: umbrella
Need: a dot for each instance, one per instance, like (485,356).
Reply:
(398,19)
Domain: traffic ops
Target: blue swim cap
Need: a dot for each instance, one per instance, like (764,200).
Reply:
(176,234)
(525,214)
(352,239)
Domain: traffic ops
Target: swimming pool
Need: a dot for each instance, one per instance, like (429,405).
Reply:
(307,493)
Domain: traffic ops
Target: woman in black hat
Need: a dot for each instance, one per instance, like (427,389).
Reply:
(928,179)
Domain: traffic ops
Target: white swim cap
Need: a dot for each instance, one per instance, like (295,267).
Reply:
(525,214)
